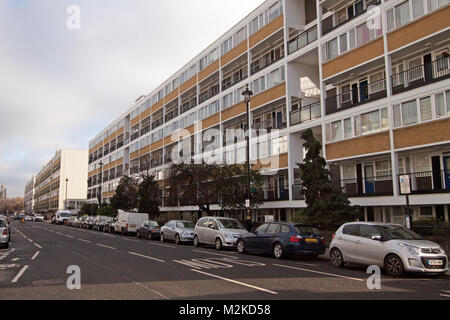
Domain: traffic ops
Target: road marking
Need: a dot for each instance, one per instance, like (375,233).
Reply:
(87,241)
(30,240)
(21,272)
(319,272)
(59,233)
(15,259)
(162,245)
(217,254)
(37,245)
(147,257)
(35,255)
(102,245)
(68,236)
(446,291)
(445,295)
(235,282)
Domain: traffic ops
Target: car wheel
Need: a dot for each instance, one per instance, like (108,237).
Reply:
(241,246)
(336,258)
(278,250)
(218,244)
(196,242)
(177,239)
(393,265)
(161,237)
(138,235)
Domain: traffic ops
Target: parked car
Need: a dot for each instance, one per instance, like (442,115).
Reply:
(128,222)
(217,231)
(178,231)
(70,222)
(5,234)
(28,218)
(390,246)
(38,218)
(62,216)
(100,222)
(283,239)
(80,222)
(89,223)
(148,230)
(109,225)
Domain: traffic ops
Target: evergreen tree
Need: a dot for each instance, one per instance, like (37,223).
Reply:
(149,196)
(326,204)
(126,197)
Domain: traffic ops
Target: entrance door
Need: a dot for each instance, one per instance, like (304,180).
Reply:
(355,93)
(369,183)
(428,68)
(447,172)
(436,167)
(363,90)
(440,213)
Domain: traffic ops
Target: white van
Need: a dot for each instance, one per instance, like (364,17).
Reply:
(61,216)
(128,222)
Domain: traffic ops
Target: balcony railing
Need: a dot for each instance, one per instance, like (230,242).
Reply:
(338,19)
(209,93)
(297,192)
(427,73)
(302,40)
(366,187)
(306,113)
(275,194)
(356,96)
(430,182)
(188,105)
(269,124)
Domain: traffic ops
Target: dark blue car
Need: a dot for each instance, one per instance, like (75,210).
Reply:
(283,239)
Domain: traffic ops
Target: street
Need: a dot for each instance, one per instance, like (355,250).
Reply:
(115,267)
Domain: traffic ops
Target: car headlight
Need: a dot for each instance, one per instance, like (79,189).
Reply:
(414,251)
(228,235)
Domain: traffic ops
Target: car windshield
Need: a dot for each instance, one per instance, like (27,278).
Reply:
(153,223)
(307,230)
(185,224)
(398,232)
(230,224)
(65,214)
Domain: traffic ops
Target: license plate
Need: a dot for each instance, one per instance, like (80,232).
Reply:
(132,226)
(309,240)
(435,262)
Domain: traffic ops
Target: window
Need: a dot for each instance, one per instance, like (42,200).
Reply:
(351,229)
(240,36)
(409,113)
(227,101)
(336,131)
(279,145)
(390,20)
(440,105)
(370,122)
(343,43)
(273,228)
(349,172)
(397,116)
(261,228)
(426,211)
(227,45)
(402,14)
(275,77)
(382,168)
(348,131)
(425,109)
(331,49)
(367,231)
(418,9)
(259,85)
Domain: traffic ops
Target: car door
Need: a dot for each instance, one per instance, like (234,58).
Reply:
(201,230)
(347,242)
(253,241)
(213,231)
(169,232)
(268,237)
(369,251)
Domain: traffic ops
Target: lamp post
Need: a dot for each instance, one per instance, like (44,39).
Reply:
(65,204)
(248,95)
(101,180)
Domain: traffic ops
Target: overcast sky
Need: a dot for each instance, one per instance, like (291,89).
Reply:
(61,87)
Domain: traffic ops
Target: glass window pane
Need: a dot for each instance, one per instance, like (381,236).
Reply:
(343,42)
(336,130)
(402,14)
(348,128)
(397,116)
(440,105)
(409,112)
(384,118)
(425,109)
(418,9)
(390,20)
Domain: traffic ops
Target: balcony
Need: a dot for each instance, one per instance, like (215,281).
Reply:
(366,187)
(419,76)
(355,96)
(267,53)
(275,194)
(430,182)
(306,113)
(271,123)
(302,40)
(297,192)
(345,15)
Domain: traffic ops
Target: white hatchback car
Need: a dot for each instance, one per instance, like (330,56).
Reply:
(392,247)
(217,231)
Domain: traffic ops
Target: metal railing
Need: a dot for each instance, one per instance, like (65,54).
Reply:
(437,181)
(302,40)
(421,75)
(306,113)
(356,96)
(275,194)
(368,186)
(273,123)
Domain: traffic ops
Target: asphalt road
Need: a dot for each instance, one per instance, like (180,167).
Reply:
(116,267)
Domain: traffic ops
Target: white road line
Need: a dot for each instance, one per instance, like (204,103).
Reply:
(102,245)
(445,295)
(319,272)
(161,245)
(21,272)
(30,240)
(446,291)
(37,245)
(217,254)
(87,241)
(147,257)
(59,233)
(35,255)
(236,282)
(68,236)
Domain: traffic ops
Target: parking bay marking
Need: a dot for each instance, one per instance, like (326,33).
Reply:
(102,245)
(319,272)
(236,282)
(35,255)
(21,272)
(146,257)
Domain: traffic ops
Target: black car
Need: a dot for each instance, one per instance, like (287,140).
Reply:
(283,239)
(149,230)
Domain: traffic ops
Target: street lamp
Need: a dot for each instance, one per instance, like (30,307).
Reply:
(248,95)
(101,180)
(65,204)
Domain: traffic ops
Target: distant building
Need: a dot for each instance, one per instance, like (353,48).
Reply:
(28,199)
(3,193)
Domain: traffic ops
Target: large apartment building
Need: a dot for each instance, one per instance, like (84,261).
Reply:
(370,78)
(50,186)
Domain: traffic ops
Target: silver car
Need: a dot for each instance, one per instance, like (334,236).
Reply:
(390,246)
(5,235)
(178,231)
(217,231)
